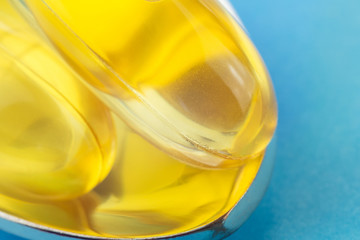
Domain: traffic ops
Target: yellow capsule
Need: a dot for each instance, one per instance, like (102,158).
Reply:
(66,215)
(150,194)
(56,139)
(182,73)
(146,194)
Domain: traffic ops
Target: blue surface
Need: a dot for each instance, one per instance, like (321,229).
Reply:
(312,50)
(4,235)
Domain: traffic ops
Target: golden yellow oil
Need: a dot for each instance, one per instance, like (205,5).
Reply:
(57,139)
(69,163)
(180,72)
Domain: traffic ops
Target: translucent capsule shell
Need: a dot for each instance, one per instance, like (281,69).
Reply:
(56,139)
(182,73)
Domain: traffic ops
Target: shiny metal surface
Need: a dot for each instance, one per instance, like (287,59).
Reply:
(217,230)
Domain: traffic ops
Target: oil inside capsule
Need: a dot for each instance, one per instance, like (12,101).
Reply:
(61,142)
(182,73)
(147,194)
(56,138)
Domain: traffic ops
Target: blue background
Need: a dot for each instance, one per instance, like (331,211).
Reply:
(312,50)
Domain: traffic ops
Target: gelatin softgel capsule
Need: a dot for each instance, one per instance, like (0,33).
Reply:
(182,73)
(151,122)
(56,138)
